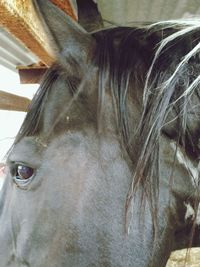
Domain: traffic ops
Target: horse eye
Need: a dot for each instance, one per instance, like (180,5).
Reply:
(23,172)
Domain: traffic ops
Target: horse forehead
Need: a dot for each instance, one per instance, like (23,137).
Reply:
(84,141)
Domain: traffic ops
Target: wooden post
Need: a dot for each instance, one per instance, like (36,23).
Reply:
(13,102)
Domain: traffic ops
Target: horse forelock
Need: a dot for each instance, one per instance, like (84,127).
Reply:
(32,122)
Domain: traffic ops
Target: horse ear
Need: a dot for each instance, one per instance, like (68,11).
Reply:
(66,36)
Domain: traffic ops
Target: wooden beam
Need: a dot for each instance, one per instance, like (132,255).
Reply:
(67,7)
(19,18)
(31,74)
(13,102)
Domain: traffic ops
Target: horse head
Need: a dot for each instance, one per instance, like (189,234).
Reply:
(107,157)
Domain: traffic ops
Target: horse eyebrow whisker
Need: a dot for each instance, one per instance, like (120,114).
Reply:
(41,142)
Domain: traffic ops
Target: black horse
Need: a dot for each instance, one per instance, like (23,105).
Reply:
(107,160)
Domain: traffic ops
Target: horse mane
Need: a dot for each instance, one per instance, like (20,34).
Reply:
(171,80)
(32,123)
(166,70)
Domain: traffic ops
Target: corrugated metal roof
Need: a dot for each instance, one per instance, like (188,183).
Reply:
(13,53)
(136,11)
